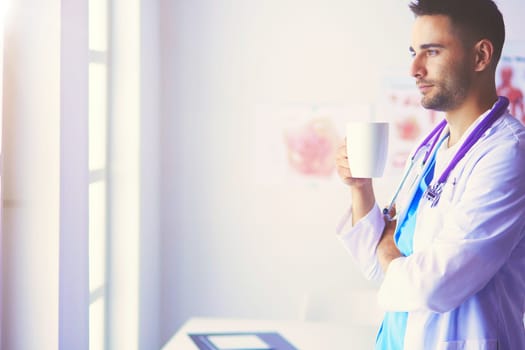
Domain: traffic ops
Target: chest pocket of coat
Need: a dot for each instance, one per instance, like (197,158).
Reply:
(474,344)
(429,216)
(449,189)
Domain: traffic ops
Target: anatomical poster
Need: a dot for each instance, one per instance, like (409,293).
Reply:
(410,122)
(296,143)
(510,78)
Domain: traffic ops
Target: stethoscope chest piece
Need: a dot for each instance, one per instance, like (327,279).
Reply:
(433,194)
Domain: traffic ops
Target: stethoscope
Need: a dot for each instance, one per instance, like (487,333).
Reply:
(424,150)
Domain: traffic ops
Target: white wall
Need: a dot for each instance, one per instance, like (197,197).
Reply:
(513,14)
(232,246)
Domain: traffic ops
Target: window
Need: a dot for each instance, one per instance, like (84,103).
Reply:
(98,171)
(115,223)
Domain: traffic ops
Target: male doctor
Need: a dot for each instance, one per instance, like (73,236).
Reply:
(452,266)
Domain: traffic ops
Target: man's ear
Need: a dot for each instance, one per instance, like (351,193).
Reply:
(484,53)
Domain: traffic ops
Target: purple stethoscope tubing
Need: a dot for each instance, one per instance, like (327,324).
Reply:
(413,160)
(497,111)
(433,192)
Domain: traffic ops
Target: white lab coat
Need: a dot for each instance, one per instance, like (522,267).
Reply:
(464,285)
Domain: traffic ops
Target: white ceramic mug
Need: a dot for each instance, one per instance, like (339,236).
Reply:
(367,148)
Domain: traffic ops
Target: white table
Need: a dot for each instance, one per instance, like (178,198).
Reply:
(303,335)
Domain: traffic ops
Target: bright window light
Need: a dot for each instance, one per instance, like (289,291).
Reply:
(97,115)
(97,236)
(98,28)
(97,325)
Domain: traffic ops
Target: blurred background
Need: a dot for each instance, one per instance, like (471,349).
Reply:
(167,159)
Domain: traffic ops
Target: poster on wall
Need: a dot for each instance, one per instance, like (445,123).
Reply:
(510,78)
(296,143)
(409,121)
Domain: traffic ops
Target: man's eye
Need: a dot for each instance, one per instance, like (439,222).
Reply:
(432,52)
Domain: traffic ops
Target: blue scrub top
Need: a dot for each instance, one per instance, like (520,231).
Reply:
(391,335)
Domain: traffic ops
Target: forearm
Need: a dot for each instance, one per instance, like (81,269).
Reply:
(363,200)
(361,240)
(387,251)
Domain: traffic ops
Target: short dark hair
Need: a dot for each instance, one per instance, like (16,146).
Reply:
(475,19)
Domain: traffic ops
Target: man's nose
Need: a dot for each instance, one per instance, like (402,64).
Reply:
(417,68)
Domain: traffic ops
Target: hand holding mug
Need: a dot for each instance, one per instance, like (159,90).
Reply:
(364,153)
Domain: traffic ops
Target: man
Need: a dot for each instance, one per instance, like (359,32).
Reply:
(452,268)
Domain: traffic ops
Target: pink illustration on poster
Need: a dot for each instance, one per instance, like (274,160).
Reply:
(296,143)
(510,78)
(410,122)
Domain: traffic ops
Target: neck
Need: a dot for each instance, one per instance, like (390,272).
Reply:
(461,118)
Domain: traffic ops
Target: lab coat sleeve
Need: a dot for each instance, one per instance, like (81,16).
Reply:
(361,241)
(479,235)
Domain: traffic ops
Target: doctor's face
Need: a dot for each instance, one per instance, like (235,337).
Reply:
(440,63)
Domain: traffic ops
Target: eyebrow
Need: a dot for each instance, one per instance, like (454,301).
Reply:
(426,46)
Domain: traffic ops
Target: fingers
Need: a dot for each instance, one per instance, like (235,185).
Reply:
(392,211)
(341,153)
(390,227)
(341,159)
(390,214)
(341,162)
(345,175)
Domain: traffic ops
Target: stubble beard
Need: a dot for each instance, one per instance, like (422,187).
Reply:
(444,100)
(450,93)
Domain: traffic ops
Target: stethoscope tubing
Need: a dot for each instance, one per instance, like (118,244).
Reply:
(429,142)
(433,192)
